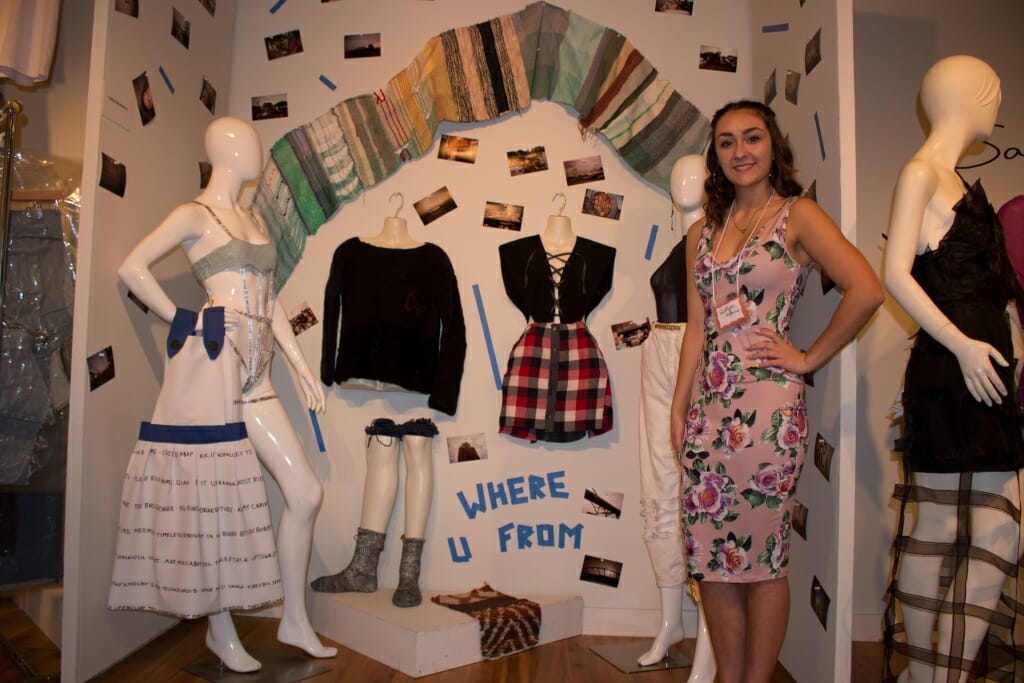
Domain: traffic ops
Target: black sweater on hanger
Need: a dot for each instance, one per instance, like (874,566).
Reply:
(401,320)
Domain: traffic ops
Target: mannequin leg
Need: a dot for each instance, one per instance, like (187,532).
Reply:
(703,668)
(379,493)
(671,630)
(222,639)
(919,574)
(419,492)
(281,452)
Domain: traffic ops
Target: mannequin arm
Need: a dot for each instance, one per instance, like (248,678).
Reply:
(290,346)
(180,226)
(914,190)
(693,343)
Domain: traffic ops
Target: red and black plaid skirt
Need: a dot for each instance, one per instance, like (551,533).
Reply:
(556,387)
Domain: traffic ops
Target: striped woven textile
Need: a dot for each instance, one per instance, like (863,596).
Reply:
(507,624)
(470,74)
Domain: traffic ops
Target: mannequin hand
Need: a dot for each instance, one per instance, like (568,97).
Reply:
(314,393)
(769,349)
(979,374)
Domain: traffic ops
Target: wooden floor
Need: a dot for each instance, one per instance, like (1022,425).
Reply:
(566,661)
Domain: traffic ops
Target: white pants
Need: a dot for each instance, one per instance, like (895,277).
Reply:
(659,468)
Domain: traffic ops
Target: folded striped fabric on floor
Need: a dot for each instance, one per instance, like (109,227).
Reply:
(507,624)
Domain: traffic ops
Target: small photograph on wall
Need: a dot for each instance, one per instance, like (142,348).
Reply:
(208,95)
(715,58)
(800,519)
(770,89)
(129,7)
(583,170)
(144,98)
(812,191)
(467,448)
(302,318)
(209,5)
(270,106)
(603,204)
(820,602)
(181,28)
(600,570)
(205,170)
(455,148)
(630,334)
(674,6)
(434,205)
(283,44)
(603,503)
(812,52)
(792,85)
(101,368)
(823,451)
(503,216)
(522,161)
(360,45)
(113,175)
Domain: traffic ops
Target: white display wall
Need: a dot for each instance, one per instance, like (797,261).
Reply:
(161,159)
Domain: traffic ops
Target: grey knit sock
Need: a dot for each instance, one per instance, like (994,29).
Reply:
(408,592)
(360,576)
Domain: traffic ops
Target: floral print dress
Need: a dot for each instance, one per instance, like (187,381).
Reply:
(746,431)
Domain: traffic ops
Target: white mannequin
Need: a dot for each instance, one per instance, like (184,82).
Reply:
(235,153)
(687,186)
(961,98)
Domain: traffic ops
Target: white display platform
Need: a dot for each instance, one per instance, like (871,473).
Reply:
(429,638)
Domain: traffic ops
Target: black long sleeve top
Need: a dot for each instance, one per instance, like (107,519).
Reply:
(586,280)
(401,320)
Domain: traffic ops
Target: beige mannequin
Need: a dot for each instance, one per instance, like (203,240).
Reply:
(961,97)
(235,153)
(659,471)
(558,236)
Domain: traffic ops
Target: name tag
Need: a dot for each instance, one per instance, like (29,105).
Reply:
(729,314)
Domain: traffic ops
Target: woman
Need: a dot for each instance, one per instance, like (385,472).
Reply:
(738,413)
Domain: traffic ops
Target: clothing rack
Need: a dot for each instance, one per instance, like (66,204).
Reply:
(8,121)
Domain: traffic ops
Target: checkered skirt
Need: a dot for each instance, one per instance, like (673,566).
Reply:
(556,387)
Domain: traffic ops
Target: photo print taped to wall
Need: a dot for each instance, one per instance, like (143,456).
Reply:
(583,170)
(602,204)
(113,175)
(467,448)
(101,367)
(269,107)
(601,571)
(144,98)
(503,216)
(523,161)
(302,318)
(434,205)
(603,503)
(823,451)
(283,44)
(674,6)
(629,334)
(820,602)
(455,148)
(770,88)
(713,58)
(361,45)
(812,52)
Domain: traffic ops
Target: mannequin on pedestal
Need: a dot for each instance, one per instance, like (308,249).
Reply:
(233,259)
(946,264)
(659,468)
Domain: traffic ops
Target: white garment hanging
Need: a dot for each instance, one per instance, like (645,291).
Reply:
(28,38)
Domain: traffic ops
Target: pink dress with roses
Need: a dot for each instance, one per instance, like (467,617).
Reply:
(746,432)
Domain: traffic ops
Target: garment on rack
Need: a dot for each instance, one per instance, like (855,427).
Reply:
(194,536)
(556,386)
(400,319)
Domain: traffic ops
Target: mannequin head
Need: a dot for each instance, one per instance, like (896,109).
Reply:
(233,145)
(963,88)
(687,182)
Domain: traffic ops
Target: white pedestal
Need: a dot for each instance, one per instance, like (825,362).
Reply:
(429,638)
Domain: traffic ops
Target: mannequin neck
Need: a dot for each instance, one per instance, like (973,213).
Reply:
(691,216)
(558,235)
(947,142)
(223,189)
(394,234)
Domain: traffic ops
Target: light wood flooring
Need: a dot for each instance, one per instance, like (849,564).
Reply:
(26,654)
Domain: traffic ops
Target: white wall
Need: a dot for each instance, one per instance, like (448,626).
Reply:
(671,43)
(895,45)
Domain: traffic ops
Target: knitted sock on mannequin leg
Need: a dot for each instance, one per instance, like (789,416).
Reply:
(408,592)
(360,576)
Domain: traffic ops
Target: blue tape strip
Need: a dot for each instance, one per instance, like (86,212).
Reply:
(316,429)
(650,242)
(328,82)
(487,336)
(821,139)
(163,74)
(277,5)
(774,28)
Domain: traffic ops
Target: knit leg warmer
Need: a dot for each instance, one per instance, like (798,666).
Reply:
(360,576)
(408,592)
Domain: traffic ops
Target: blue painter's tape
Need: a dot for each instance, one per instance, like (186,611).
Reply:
(487,336)
(774,28)
(277,5)
(650,242)
(167,80)
(328,82)
(821,139)
(317,433)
